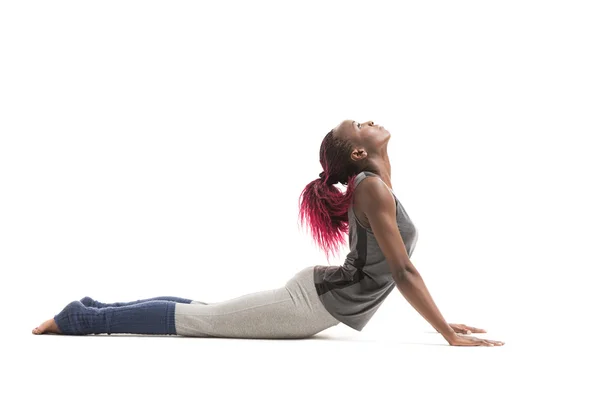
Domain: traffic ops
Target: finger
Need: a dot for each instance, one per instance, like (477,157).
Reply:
(495,342)
(461,328)
(476,330)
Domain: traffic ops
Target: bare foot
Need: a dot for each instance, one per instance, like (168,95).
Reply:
(48,326)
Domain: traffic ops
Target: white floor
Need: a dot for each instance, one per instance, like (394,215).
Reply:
(383,361)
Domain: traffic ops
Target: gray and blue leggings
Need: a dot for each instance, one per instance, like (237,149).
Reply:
(291,311)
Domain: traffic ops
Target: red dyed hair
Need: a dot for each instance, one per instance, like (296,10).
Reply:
(323,205)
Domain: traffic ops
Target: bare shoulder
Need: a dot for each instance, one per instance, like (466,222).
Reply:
(371,192)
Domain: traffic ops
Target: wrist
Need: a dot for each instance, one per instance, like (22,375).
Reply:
(448,333)
(451,339)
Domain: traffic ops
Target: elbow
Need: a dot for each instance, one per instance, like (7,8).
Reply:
(400,273)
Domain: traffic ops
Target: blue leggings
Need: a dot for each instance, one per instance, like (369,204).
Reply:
(154,316)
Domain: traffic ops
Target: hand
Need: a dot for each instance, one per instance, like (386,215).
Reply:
(458,340)
(462,328)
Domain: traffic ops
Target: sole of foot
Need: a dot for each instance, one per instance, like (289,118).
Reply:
(48,326)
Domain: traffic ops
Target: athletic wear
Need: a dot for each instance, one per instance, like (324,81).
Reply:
(155,317)
(314,299)
(292,311)
(353,292)
(89,302)
(289,312)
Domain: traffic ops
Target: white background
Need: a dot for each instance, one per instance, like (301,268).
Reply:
(159,148)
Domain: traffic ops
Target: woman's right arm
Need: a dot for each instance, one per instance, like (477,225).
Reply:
(411,285)
(380,209)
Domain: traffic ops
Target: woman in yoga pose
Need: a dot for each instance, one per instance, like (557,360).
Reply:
(382,238)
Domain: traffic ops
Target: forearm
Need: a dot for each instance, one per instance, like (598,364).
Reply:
(411,285)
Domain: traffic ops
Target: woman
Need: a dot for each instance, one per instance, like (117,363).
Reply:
(382,238)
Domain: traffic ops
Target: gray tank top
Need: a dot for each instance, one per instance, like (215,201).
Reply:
(353,292)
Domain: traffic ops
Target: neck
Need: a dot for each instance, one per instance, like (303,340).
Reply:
(381,164)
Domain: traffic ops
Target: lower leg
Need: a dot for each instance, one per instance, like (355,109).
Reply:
(155,317)
(89,302)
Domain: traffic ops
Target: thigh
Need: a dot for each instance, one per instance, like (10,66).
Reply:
(265,314)
(286,312)
(303,292)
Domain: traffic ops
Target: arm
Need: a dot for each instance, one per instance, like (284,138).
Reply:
(380,209)
(411,285)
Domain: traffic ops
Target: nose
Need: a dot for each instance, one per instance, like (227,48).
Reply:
(374,124)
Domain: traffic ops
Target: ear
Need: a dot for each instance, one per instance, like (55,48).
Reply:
(358,154)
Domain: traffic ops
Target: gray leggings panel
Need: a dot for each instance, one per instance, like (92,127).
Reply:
(291,311)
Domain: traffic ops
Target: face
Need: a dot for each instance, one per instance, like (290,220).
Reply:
(366,136)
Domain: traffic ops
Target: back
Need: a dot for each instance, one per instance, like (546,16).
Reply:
(353,292)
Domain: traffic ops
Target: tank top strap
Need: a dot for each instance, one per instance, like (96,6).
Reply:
(363,174)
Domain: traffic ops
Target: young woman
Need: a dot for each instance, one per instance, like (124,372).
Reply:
(382,239)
